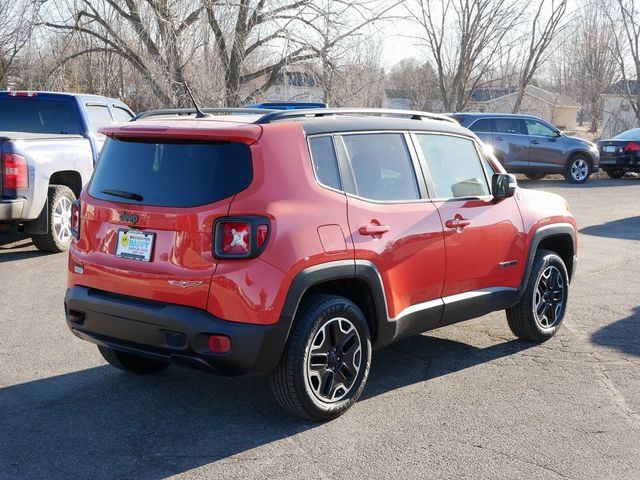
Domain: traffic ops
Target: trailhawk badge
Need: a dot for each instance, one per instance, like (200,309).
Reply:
(184,284)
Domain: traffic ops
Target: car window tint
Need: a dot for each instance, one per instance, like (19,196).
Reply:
(121,115)
(325,163)
(482,125)
(33,114)
(381,166)
(508,125)
(538,128)
(99,117)
(455,166)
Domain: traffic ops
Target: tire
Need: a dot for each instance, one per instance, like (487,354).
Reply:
(541,310)
(58,237)
(326,362)
(578,169)
(616,173)
(131,363)
(534,176)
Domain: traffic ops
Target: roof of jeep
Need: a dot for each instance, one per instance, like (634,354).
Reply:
(247,126)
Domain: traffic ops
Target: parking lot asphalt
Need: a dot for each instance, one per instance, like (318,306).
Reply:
(466,401)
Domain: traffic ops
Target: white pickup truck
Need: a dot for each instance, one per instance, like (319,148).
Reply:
(49,144)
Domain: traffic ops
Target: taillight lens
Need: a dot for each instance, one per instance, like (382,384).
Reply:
(23,94)
(14,172)
(240,237)
(75,219)
(632,147)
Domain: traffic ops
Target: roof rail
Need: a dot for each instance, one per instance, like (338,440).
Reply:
(322,112)
(192,111)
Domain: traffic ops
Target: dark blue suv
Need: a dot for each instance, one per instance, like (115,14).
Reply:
(529,145)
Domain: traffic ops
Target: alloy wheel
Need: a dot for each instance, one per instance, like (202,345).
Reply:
(549,297)
(334,360)
(579,169)
(62,220)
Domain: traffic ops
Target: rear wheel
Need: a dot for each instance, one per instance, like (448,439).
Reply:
(578,169)
(540,312)
(615,173)
(326,363)
(534,176)
(131,363)
(58,237)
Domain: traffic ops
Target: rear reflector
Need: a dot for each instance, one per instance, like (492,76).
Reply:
(219,343)
(14,172)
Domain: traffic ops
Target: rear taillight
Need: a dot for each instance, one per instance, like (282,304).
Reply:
(240,237)
(14,172)
(632,147)
(75,219)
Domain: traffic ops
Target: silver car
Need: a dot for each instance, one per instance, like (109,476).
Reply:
(529,145)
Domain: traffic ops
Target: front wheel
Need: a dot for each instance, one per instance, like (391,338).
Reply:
(58,237)
(616,173)
(326,363)
(578,169)
(540,312)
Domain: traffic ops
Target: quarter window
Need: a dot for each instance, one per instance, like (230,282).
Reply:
(455,166)
(381,166)
(324,160)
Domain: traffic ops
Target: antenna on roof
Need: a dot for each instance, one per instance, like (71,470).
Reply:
(199,113)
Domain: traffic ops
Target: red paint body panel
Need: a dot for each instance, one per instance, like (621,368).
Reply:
(474,252)
(410,256)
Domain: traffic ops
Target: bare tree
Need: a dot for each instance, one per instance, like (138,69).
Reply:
(625,30)
(17,23)
(415,82)
(543,31)
(462,37)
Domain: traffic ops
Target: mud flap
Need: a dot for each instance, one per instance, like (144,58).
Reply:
(40,225)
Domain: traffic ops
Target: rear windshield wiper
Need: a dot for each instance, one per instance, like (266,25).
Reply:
(120,193)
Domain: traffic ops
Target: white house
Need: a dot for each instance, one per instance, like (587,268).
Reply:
(618,114)
(555,108)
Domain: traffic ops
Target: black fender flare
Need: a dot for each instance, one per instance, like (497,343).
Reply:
(539,235)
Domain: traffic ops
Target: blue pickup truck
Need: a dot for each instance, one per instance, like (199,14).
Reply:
(49,144)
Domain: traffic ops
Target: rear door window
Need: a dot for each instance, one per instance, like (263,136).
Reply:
(509,125)
(484,125)
(38,116)
(99,116)
(381,166)
(171,174)
(455,166)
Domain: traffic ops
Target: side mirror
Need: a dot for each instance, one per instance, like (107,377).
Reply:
(503,185)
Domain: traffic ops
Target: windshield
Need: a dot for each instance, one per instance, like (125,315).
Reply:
(38,116)
(171,174)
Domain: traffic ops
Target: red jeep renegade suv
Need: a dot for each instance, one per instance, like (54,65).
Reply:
(295,242)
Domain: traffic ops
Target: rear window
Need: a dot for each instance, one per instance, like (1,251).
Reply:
(170,174)
(38,116)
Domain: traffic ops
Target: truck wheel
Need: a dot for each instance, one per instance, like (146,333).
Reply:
(58,238)
(578,169)
(616,173)
(534,176)
(326,362)
(131,363)
(539,314)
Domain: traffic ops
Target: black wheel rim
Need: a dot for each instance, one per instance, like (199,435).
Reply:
(334,360)
(549,297)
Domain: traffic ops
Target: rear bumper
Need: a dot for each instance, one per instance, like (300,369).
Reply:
(12,209)
(172,333)
(626,162)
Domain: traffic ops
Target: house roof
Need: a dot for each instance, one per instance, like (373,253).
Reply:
(486,95)
(619,88)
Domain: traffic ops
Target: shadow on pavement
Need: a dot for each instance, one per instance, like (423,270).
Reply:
(16,246)
(624,228)
(591,183)
(102,423)
(623,335)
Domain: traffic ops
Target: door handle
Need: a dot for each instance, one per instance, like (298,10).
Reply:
(535,142)
(498,139)
(457,222)
(374,229)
